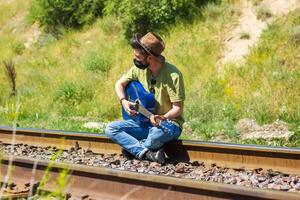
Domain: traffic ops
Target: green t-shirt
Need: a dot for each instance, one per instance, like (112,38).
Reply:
(169,87)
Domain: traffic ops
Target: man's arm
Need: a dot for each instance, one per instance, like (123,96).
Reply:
(176,93)
(119,88)
(176,110)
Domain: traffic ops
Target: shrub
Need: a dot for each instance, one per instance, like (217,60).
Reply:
(208,116)
(110,25)
(144,16)
(136,16)
(72,93)
(256,2)
(46,38)
(296,18)
(213,11)
(65,13)
(244,35)
(263,12)
(18,47)
(294,35)
(97,62)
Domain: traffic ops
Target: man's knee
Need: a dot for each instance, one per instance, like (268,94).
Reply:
(154,144)
(157,138)
(111,129)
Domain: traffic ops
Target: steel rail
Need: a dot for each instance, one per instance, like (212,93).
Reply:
(106,183)
(7,196)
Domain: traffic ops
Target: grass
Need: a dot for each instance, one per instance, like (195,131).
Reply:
(263,12)
(256,2)
(60,79)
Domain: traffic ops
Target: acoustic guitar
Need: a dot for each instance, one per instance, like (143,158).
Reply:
(144,104)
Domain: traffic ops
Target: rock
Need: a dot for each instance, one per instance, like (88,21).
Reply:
(196,163)
(246,125)
(261,179)
(198,172)
(297,186)
(179,169)
(273,173)
(77,159)
(253,180)
(273,186)
(244,177)
(230,180)
(141,170)
(231,171)
(249,129)
(47,152)
(285,187)
(86,196)
(154,165)
(77,147)
(95,125)
(65,154)
(182,167)
(115,162)
(89,153)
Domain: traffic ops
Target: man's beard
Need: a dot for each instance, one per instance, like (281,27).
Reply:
(139,64)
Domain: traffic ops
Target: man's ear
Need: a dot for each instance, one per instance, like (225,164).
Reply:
(149,58)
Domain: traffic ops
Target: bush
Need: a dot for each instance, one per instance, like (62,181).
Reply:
(72,93)
(97,62)
(136,16)
(294,35)
(144,16)
(110,25)
(296,18)
(46,38)
(244,36)
(263,12)
(256,2)
(18,47)
(70,14)
(208,116)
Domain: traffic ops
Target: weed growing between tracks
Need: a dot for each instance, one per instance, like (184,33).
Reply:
(57,183)
(10,168)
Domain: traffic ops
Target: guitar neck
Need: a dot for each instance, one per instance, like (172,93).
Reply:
(168,126)
(144,111)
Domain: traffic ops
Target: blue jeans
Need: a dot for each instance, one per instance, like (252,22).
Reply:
(136,139)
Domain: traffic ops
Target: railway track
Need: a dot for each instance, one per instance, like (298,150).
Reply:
(106,183)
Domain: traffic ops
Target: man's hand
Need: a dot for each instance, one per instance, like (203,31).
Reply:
(126,105)
(155,119)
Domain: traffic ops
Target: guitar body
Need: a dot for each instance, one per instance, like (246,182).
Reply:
(135,91)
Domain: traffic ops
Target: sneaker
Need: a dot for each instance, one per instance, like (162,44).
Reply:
(126,154)
(156,156)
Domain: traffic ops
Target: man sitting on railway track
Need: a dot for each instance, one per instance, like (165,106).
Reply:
(166,82)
